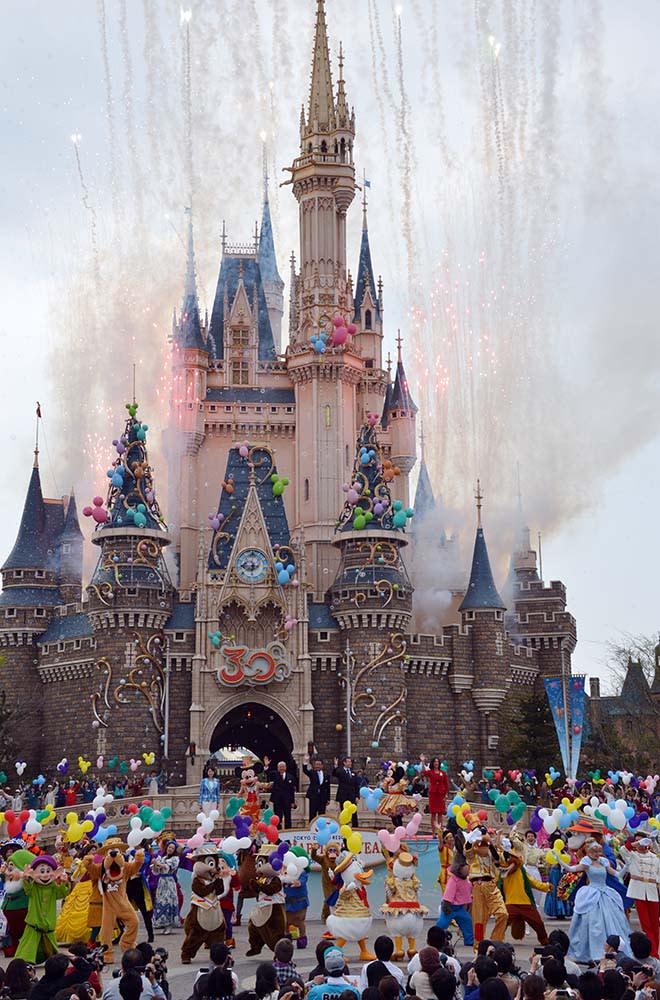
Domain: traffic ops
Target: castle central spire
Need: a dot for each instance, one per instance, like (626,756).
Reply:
(321,112)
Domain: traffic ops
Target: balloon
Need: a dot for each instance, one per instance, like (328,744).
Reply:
(502,804)
(354,842)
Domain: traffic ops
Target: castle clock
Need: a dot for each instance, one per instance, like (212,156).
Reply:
(252,566)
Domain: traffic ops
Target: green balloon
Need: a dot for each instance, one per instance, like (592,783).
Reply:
(166,812)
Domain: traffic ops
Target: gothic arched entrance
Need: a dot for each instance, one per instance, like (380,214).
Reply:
(257,728)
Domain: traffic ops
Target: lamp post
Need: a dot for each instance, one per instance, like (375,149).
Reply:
(348,665)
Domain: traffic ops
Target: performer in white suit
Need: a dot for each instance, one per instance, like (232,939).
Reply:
(644,869)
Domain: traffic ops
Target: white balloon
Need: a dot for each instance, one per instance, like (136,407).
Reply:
(550,824)
(595,801)
(134,838)
(135,823)
(32,827)
(618,820)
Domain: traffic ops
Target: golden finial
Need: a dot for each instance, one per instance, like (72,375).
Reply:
(478,496)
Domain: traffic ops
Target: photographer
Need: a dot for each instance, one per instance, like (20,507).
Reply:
(132,961)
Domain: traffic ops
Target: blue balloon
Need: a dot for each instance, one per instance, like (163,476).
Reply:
(283,577)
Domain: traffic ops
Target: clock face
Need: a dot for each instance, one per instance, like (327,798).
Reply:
(252,566)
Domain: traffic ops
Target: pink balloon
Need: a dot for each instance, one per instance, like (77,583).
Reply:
(351,328)
(352,497)
(337,320)
(243,451)
(99,762)
(97,501)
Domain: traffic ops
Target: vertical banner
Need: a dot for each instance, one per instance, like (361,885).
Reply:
(555,693)
(577,704)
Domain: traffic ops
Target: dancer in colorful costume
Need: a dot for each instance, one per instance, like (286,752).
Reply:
(44,883)
(644,869)
(517,889)
(404,914)
(487,900)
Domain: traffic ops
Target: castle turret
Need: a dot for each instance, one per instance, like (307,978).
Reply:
(482,614)
(368,319)
(28,601)
(371,599)
(130,594)
(270,276)
(401,422)
(70,553)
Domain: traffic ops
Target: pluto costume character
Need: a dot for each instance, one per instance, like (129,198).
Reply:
(404,914)
(351,918)
(267,922)
(205,922)
(113,872)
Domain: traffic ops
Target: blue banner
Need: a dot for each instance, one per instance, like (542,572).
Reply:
(577,704)
(555,693)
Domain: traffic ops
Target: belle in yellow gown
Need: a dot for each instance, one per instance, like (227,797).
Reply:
(73,921)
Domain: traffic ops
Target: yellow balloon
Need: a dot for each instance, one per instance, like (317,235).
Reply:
(2,817)
(577,803)
(346,831)
(354,842)
(461,821)
(455,810)
(558,844)
(550,859)
(566,802)
(70,818)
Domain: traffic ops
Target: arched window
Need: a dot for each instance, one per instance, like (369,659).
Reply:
(343,151)
(324,146)
(309,147)
(306,490)
(367,319)
(327,415)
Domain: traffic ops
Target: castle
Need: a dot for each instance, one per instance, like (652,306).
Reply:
(287,617)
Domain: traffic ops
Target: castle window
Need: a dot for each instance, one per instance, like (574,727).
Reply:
(323,636)
(369,363)
(40,612)
(327,415)
(240,373)
(227,409)
(10,613)
(243,409)
(179,636)
(258,409)
(324,146)
(66,548)
(213,408)
(289,409)
(306,489)
(18,574)
(469,616)
(60,647)
(77,644)
(39,574)
(367,319)
(273,409)
(240,338)
(499,644)
(342,150)
(131,592)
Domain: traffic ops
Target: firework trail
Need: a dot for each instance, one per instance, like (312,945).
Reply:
(129,120)
(89,208)
(110,118)
(187,106)
(601,125)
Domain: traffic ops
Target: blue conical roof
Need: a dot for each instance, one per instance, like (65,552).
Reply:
(481,593)
(30,549)
(234,268)
(71,527)
(365,276)
(424,499)
(400,398)
(267,258)
(189,334)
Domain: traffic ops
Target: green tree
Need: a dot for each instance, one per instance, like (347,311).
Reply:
(532,740)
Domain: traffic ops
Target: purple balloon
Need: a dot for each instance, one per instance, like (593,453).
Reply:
(535,823)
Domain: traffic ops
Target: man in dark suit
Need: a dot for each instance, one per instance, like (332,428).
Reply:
(318,790)
(348,785)
(283,794)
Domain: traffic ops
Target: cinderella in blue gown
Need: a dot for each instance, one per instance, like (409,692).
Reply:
(598,912)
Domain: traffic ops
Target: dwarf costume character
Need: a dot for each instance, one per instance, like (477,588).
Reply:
(351,918)
(404,914)
(112,872)
(15,901)
(205,922)
(327,857)
(227,901)
(44,883)
(487,901)
(267,923)
(516,887)
(644,869)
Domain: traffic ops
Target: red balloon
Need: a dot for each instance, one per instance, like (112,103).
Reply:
(24,815)
(271,834)
(132,809)
(145,802)
(482,814)
(275,820)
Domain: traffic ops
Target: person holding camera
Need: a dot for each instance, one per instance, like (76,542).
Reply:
(132,961)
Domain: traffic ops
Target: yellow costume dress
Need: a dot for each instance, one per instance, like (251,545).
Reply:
(446,856)
(73,921)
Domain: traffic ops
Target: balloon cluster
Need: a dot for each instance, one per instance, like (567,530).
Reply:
(557,854)
(120,445)
(341,330)
(216,638)
(325,830)
(290,623)
(392,841)
(116,476)
(149,757)
(389,470)
(371,797)
(372,419)
(551,776)
(76,830)
(83,765)
(511,803)
(228,485)
(345,816)
(269,829)
(279,482)
(401,514)
(206,824)
(39,780)
(285,567)
(319,343)
(233,806)
(467,771)
(63,766)
(244,449)
(242,840)
(20,766)
(137,515)
(97,512)
(216,520)
(366,456)
(460,809)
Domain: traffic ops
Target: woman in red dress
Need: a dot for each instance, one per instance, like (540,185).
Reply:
(438,791)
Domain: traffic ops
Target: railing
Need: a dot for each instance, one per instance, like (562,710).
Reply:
(183,801)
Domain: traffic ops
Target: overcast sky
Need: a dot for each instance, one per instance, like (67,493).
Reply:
(513,216)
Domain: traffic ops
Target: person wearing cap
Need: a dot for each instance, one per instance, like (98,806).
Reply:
(335,980)
(517,888)
(644,869)
(44,883)
(484,871)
